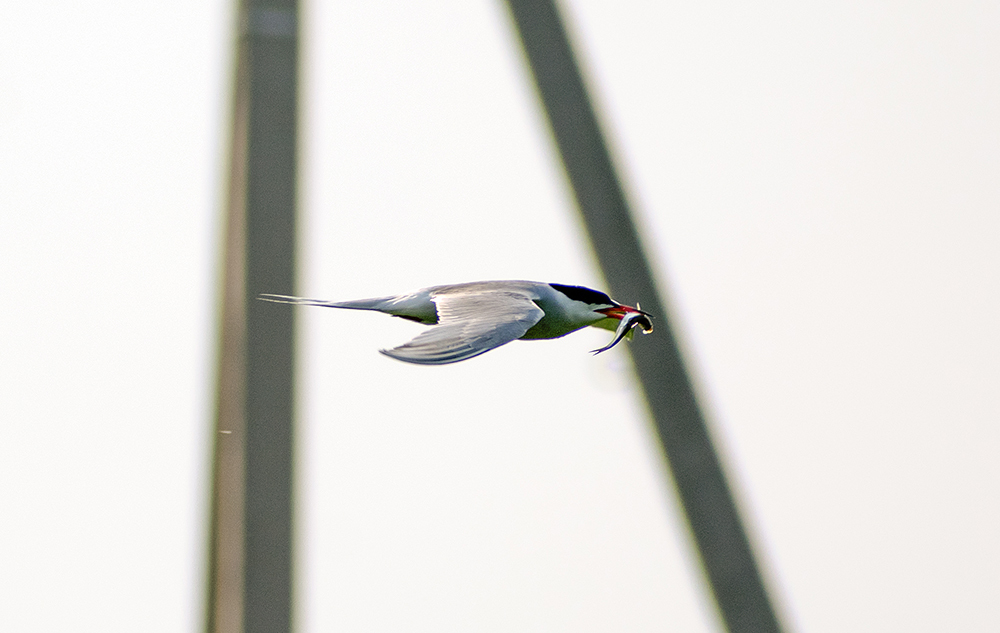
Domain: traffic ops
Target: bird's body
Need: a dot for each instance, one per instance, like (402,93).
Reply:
(472,318)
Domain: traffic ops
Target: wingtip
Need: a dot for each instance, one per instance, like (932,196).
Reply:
(405,353)
(403,358)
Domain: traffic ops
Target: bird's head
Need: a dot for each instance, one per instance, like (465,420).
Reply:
(607,311)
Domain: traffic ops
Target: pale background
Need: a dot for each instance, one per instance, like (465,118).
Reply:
(819,186)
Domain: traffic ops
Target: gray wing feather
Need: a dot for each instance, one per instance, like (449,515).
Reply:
(470,324)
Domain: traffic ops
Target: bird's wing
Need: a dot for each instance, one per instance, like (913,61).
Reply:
(469,324)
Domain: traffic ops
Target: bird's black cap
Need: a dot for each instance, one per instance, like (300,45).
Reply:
(586,295)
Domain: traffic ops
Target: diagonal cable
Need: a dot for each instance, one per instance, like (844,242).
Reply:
(714,520)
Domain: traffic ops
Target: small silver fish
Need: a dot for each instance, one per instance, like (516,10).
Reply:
(628,322)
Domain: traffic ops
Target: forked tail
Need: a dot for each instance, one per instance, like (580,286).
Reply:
(360,304)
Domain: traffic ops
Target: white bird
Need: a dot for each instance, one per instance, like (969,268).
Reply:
(472,318)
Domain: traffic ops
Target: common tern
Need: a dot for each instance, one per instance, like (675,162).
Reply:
(472,318)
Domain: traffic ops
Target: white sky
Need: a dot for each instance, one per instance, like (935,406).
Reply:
(819,188)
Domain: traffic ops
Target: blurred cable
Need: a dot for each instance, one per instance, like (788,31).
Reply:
(708,502)
(250,547)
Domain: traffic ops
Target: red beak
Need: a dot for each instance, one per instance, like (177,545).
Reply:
(619,312)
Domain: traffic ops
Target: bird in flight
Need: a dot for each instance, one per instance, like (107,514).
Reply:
(472,318)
